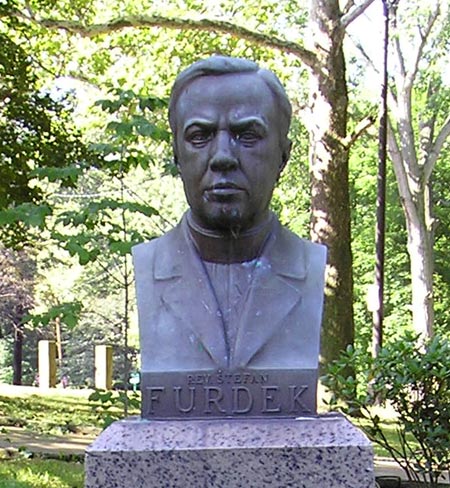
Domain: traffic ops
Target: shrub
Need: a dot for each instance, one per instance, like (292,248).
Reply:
(110,406)
(412,377)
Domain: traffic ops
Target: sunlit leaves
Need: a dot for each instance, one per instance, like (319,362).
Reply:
(68,313)
(36,141)
(99,230)
(28,213)
(132,109)
(100,212)
(67,176)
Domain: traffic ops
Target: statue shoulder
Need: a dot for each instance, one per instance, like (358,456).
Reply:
(160,257)
(162,243)
(297,257)
(293,241)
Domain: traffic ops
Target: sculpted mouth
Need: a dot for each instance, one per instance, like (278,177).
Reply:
(223,191)
(224,185)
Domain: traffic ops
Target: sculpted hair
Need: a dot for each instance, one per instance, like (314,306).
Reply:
(223,65)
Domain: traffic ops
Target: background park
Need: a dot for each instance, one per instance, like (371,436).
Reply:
(86,172)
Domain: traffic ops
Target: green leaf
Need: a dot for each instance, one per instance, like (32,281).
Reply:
(67,174)
(145,128)
(28,213)
(121,248)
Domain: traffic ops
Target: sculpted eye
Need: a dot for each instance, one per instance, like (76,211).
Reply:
(248,137)
(199,137)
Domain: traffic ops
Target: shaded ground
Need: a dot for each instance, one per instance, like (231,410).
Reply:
(15,438)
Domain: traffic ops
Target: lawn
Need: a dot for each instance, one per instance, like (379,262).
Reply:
(48,412)
(51,412)
(40,473)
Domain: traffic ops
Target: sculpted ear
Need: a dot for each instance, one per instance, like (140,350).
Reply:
(285,155)
(175,157)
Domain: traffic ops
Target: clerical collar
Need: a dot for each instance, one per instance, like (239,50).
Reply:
(226,247)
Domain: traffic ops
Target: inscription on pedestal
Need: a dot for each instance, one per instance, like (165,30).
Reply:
(200,394)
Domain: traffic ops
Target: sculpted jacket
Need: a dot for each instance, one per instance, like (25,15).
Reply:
(179,318)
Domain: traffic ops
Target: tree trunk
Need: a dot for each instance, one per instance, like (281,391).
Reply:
(329,156)
(417,206)
(58,336)
(17,354)
(420,250)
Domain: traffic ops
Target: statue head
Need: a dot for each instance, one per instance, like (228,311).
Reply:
(230,120)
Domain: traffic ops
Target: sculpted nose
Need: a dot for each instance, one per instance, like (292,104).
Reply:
(223,157)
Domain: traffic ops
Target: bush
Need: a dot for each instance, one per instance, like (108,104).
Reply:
(412,377)
(110,406)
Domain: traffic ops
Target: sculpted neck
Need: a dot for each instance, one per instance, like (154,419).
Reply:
(228,247)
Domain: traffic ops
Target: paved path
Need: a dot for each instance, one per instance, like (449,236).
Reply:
(12,438)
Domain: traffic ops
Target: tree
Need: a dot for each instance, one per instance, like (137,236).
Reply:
(415,148)
(35,139)
(35,136)
(329,156)
(418,128)
(16,299)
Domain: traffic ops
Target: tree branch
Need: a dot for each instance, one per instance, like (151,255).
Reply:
(397,48)
(143,21)
(399,169)
(354,13)
(433,155)
(361,127)
(423,40)
(348,6)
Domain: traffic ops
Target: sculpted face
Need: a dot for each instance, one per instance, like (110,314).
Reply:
(228,149)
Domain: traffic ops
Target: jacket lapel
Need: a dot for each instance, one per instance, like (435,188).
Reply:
(189,294)
(274,292)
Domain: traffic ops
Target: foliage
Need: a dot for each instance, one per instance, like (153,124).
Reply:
(67,313)
(110,405)
(35,132)
(99,231)
(413,378)
(40,473)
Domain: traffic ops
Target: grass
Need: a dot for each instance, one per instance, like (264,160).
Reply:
(389,427)
(49,414)
(40,473)
(57,412)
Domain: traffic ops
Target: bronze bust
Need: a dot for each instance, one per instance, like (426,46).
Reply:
(229,301)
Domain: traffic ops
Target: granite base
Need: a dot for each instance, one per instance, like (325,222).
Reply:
(321,452)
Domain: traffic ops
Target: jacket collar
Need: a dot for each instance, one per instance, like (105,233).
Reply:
(175,258)
(275,290)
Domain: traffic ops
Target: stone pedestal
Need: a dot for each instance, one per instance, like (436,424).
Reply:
(322,452)
(103,367)
(47,364)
